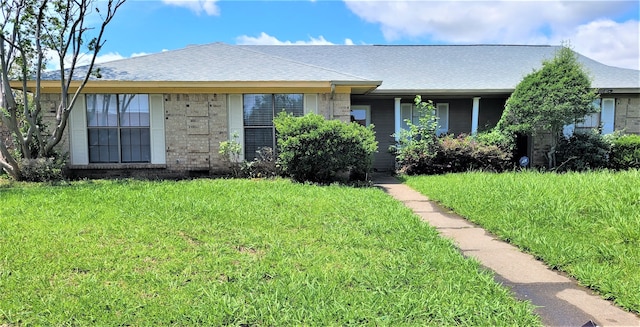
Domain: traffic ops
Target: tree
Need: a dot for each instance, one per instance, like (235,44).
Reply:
(30,32)
(546,100)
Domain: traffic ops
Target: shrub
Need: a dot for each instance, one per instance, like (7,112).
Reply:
(625,152)
(582,151)
(460,154)
(420,151)
(230,151)
(318,150)
(418,146)
(42,170)
(265,165)
(464,153)
(501,139)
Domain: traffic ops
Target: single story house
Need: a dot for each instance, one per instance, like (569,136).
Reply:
(166,113)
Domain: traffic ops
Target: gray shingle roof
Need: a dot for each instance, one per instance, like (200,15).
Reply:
(400,68)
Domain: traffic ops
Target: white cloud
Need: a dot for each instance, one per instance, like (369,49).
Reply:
(510,22)
(612,43)
(266,39)
(209,7)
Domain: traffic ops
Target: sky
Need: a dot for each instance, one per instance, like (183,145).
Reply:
(607,31)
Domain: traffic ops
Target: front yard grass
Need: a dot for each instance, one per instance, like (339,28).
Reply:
(586,224)
(233,252)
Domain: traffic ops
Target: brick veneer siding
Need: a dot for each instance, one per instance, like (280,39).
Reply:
(628,114)
(627,120)
(195,124)
(50,103)
(337,108)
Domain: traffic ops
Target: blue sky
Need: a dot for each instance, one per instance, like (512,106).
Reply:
(607,31)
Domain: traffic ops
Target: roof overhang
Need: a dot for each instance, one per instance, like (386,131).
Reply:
(192,87)
(613,90)
(443,92)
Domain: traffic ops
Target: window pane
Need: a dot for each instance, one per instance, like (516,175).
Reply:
(135,145)
(103,145)
(101,110)
(134,109)
(256,138)
(258,110)
(291,103)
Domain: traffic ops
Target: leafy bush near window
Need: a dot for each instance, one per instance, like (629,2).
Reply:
(459,154)
(625,152)
(230,151)
(264,165)
(314,149)
(583,151)
(418,145)
(420,151)
(42,169)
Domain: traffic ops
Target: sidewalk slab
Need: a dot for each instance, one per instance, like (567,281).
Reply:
(560,301)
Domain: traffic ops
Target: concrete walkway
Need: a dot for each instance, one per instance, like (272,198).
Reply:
(559,299)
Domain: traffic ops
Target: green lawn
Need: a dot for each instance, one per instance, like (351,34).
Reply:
(587,224)
(233,252)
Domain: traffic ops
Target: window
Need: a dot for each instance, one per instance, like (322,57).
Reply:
(361,115)
(118,128)
(591,121)
(258,113)
(410,112)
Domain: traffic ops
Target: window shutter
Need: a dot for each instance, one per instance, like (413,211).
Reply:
(156,113)
(406,110)
(236,124)
(78,128)
(443,117)
(608,115)
(310,103)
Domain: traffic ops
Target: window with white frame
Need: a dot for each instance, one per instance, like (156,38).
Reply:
(118,128)
(410,112)
(591,121)
(258,113)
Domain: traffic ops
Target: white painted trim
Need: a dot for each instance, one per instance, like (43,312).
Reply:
(608,115)
(475,113)
(79,140)
(236,120)
(442,111)
(367,109)
(397,118)
(310,103)
(156,129)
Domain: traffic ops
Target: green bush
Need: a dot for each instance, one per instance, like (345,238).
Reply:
(318,150)
(501,139)
(265,165)
(625,152)
(418,146)
(42,170)
(421,151)
(582,151)
(457,154)
(465,153)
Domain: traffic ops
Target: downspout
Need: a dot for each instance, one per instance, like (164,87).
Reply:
(332,100)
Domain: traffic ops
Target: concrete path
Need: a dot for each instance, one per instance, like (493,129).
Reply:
(559,299)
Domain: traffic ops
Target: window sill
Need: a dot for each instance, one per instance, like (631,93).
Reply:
(119,166)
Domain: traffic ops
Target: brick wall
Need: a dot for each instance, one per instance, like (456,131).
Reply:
(628,114)
(50,103)
(195,124)
(338,108)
